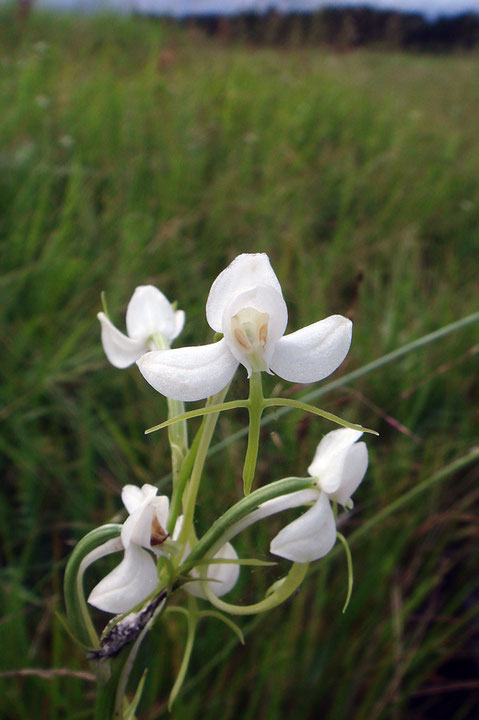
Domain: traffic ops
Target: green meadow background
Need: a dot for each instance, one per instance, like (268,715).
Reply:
(136,152)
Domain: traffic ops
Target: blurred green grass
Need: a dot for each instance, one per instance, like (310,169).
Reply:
(135,152)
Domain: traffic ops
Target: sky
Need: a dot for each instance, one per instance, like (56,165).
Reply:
(429,8)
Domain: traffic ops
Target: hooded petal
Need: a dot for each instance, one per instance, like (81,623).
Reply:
(120,350)
(128,584)
(223,576)
(244,273)
(355,466)
(265,300)
(330,458)
(190,373)
(310,537)
(314,352)
(148,312)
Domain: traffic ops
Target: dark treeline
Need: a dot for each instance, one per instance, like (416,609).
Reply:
(348,28)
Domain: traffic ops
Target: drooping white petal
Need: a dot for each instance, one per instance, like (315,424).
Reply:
(244,273)
(179,323)
(148,312)
(330,458)
(267,301)
(310,537)
(128,584)
(190,373)
(355,466)
(120,350)
(314,352)
(223,577)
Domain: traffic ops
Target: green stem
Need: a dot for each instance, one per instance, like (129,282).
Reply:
(226,620)
(299,405)
(256,404)
(191,491)
(238,511)
(182,479)
(207,410)
(290,584)
(349,560)
(192,622)
(178,432)
(106,693)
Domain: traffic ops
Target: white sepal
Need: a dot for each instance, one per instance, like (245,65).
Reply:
(190,373)
(314,352)
(120,350)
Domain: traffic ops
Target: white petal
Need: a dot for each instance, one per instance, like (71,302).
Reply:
(132,497)
(244,273)
(120,350)
(314,352)
(265,299)
(355,466)
(128,584)
(137,527)
(330,457)
(224,576)
(161,507)
(179,323)
(309,537)
(148,312)
(190,373)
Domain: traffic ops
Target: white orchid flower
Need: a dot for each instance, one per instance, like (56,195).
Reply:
(339,465)
(136,577)
(246,305)
(222,577)
(148,313)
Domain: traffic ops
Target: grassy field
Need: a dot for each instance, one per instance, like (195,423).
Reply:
(134,152)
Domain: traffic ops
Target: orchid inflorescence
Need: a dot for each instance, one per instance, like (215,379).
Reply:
(162,555)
